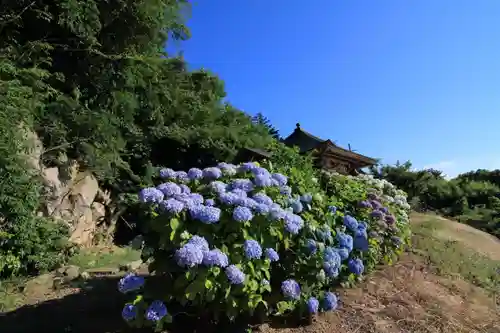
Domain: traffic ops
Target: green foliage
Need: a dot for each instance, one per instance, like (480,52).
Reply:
(473,197)
(260,119)
(297,220)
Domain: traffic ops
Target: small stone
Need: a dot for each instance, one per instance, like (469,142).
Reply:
(57,283)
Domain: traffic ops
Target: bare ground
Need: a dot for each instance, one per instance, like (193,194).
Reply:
(428,291)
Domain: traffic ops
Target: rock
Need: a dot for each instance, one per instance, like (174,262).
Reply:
(84,275)
(57,283)
(131,266)
(102,271)
(68,273)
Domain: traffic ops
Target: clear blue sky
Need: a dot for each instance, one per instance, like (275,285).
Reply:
(398,80)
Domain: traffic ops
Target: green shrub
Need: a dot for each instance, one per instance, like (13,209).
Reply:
(235,240)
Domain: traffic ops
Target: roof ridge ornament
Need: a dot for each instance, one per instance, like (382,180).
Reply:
(297,125)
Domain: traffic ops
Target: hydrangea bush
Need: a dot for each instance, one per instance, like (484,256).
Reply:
(232,239)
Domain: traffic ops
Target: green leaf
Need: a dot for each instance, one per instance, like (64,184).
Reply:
(282,307)
(208,284)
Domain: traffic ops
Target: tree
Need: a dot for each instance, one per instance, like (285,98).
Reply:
(260,119)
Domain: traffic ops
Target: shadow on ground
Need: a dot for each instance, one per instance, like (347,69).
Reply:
(96,309)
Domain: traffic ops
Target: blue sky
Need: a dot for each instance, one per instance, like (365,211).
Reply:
(398,80)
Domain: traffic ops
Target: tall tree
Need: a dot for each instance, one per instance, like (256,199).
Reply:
(260,119)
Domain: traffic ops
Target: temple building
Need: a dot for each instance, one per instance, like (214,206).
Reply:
(328,155)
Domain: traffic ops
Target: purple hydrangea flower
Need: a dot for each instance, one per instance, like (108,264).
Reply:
(241,184)
(290,289)
(151,195)
(376,204)
(252,249)
(261,209)
(156,311)
(332,209)
(195,173)
(181,176)
(189,255)
(129,312)
(167,173)
(218,187)
(365,204)
(356,266)
(377,214)
(362,225)
(185,189)
(276,213)
(312,305)
(390,219)
(332,256)
(262,181)
(130,282)
(215,258)
(200,242)
(384,210)
(240,193)
(212,173)
(330,301)
(208,214)
(281,179)
(196,198)
(261,171)
(242,214)
(229,198)
(262,199)
(169,189)
(272,255)
(172,206)
(396,241)
(331,269)
(210,202)
(248,166)
(235,275)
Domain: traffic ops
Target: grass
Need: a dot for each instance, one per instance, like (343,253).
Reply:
(452,258)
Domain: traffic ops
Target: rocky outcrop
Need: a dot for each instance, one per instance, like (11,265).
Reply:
(72,195)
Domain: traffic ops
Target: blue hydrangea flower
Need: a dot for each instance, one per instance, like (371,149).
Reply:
(239,192)
(286,190)
(280,178)
(242,214)
(345,241)
(248,166)
(200,242)
(156,311)
(167,173)
(261,209)
(241,184)
(307,198)
(296,206)
(330,301)
(324,233)
(169,189)
(189,255)
(262,198)
(130,282)
(262,181)
(261,171)
(129,312)
(290,289)
(195,173)
(218,186)
(235,275)
(384,210)
(332,256)
(276,212)
(208,214)
(331,269)
(396,241)
(272,255)
(343,253)
(172,206)
(196,198)
(350,222)
(356,266)
(332,209)
(311,246)
(215,258)
(227,168)
(377,214)
(210,202)
(293,223)
(181,176)
(362,225)
(151,195)
(229,198)
(312,305)
(361,242)
(212,173)
(252,249)
(185,189)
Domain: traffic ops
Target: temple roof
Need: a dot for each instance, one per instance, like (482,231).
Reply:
(307,141)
